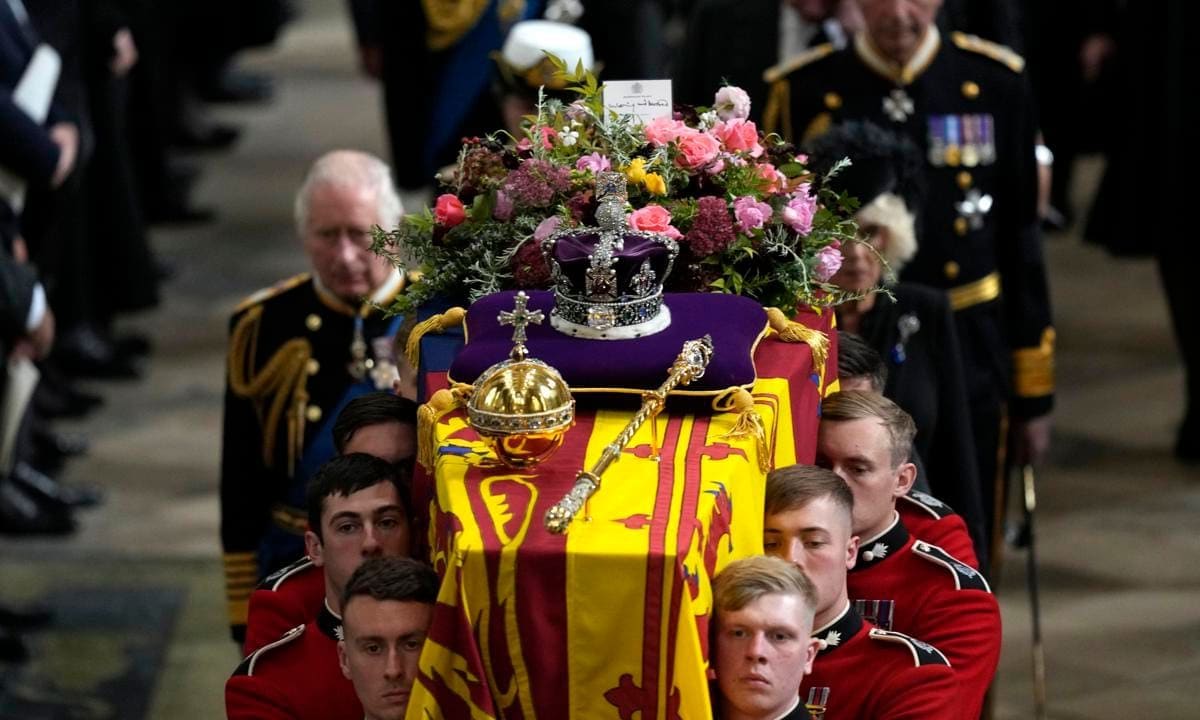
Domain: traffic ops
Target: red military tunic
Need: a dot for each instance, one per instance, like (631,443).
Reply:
(292,596)
(933,521)
(864,672)
(919,589)
(297,677)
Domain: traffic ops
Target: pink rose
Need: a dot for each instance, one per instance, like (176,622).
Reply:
(829,259)
(546,228)
(773,180)
(654,218)
(738,136)
(732,102)
(595,162)
(449,211)
(697,149)
(750,213)
(802,159)
(663,130)
(503,209)
(798,213)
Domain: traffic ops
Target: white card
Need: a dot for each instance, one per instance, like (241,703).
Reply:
(644,99)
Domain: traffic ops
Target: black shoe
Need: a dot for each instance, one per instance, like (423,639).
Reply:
(23,515)
(29,618)
(63,400)
(51,442)
(1187,442)
(237,86)
(210,137)
(50,492)
(85,352)
(134,344)
(12,647)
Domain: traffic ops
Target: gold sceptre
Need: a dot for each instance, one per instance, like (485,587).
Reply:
(688,366)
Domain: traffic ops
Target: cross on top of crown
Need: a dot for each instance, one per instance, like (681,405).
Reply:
(520,318)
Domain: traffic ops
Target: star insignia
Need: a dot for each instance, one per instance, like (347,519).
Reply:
(879,550)
(898,105)
(833,638)
(340,632)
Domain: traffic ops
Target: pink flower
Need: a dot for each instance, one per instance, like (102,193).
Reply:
(732,102)
(697,149)
(717,166)
(524,145)
(448,211)
(802,159)
(546,228)
(828,260)
(750,213)
(663,130)
(654,218)
(773,180)
(548,137)
(798,213)
(594,162)
(739,136)
(503,209)
(575,111)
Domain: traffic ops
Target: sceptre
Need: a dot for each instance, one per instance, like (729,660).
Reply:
(688,366)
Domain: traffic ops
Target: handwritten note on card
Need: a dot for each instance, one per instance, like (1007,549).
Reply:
(644,99)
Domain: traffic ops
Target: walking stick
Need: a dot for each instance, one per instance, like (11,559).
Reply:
(1039,652)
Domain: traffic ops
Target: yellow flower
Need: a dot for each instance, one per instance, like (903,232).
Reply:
(655,184)
(636,172)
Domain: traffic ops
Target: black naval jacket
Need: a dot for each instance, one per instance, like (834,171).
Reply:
(916,334)
(966,104)
(288,368)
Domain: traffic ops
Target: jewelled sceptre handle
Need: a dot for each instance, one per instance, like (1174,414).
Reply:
(688,366)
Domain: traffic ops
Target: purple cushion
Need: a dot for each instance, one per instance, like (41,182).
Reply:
(614,366)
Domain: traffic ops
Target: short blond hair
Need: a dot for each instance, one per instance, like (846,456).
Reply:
(795,486)
(859,405)
(746,580)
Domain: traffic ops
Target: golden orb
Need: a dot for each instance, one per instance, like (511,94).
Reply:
(523,409)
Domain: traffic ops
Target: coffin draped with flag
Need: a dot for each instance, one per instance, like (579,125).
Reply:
(611,619)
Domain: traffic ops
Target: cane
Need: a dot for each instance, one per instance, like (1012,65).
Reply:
(1039,652)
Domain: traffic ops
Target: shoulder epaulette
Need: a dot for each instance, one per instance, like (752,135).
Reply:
(965,576)
(922,652)
(280,576)
(1000,53)
(787,67)
(246,666)
(928,504)
(267,293)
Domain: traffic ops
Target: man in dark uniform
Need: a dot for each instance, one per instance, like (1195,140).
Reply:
(297,354)
(860,670)
(357,513)
(898,582)
(966,104)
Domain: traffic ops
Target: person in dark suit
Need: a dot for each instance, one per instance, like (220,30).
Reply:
(966,104)
(735,41)
(911,325)
(298,353)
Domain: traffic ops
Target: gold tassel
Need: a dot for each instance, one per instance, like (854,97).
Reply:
(794,332)
(442,402)
(749,422)
(437,323)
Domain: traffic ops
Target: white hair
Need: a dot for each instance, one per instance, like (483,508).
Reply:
(351,168)
(889,211)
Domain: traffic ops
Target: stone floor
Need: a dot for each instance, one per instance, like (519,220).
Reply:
(139,588)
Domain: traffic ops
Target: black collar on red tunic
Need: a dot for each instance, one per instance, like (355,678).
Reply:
(872,552)
(329,622)
(833,635)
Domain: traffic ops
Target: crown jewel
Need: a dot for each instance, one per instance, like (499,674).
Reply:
(608,279)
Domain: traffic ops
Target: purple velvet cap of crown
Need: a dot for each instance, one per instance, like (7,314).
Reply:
(735,324)
(573,253)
